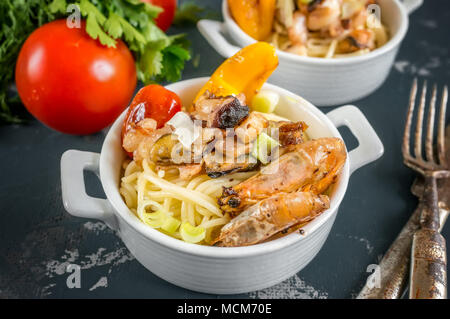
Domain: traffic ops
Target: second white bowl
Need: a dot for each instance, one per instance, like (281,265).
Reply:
(324,82)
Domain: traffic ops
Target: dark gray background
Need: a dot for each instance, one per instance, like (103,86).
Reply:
(38,238)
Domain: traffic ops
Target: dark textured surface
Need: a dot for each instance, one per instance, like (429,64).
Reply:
(38,238)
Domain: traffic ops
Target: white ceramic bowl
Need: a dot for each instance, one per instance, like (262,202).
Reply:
(215,270)
(324,82)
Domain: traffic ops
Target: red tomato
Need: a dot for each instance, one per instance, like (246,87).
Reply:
(152,101)
(165,18)
(71,82)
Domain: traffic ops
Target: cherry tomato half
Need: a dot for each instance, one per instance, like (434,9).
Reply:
(72,82)
(152,101)
(165,18)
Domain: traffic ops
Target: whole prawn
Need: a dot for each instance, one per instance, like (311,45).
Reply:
(271,216)
(311,166)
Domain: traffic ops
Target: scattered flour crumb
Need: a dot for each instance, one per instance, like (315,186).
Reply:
(96,227)
(435,62)
(431,24)
(103,282)
(45,290)
(58,267)
(365,241)
(100,258)
(403,66)
(292,288)
(423,72)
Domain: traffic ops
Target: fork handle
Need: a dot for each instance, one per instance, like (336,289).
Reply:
(429,217)
(428,279)
(428,275)
(394,266)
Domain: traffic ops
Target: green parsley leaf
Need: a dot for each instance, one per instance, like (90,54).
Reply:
(173,61)
(94,22)
(150,64)
(95,31)
(87,8)
(113,26)
(159,57)
(58,6)
(131,34)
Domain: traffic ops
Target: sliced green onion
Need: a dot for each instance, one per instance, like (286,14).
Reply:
(192,234)
(265,101)
(156,215)
(263,147)
(170,224)
(155,219)
(155,223)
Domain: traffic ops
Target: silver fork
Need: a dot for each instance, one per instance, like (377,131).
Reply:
(428,275)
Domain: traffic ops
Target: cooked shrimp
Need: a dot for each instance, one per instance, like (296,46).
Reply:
(271,216)
(134,136)
(140,139)
(324,14)
(299,49)
(311,166)
(357,40)
(359,19)
(298,32)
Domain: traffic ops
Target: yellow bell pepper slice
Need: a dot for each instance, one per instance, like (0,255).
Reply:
(255,17)
(245,72)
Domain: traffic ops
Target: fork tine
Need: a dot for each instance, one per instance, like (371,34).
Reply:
(418,133)
(441,128)
(430,126)
(406,134)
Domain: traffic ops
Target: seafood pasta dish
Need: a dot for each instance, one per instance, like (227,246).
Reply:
(224,170)
(315,28)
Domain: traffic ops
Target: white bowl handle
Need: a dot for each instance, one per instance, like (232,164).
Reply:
(370,147)
(411,5)
(212,32)
(75,199)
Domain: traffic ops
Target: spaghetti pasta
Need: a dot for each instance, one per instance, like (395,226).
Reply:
(321,47)
(317,31)
(194,201)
